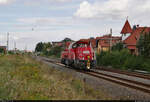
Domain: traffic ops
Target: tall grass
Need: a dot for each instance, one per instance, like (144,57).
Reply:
(22,78)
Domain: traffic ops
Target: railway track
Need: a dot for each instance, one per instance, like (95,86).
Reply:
(118,80)
(134,74)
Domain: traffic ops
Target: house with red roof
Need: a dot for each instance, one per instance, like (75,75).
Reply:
(63,44)
(130,36)
(57,43)
(105,42)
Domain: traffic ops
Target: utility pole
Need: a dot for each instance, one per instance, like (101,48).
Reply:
(7,42)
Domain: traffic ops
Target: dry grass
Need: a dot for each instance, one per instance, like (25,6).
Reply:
(22,78)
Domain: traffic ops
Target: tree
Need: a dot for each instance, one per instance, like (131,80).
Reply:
(66,40)
(47,48)
(140,44)
(143,45)
(56,51)
(2,50)
(39,47)
(118,47)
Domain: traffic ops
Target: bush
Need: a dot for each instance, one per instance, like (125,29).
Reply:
(2,50)
(123,60)
(55,51)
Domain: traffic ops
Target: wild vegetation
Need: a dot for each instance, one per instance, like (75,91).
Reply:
(23,78)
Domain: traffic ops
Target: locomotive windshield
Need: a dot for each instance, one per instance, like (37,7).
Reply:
(79,44)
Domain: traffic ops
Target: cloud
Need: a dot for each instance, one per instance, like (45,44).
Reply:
(60,0)
(4,2)
(49,22)
(113,9)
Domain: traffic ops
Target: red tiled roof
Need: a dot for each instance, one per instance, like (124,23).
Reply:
(103,37)
(135,35)
(108,37)
(131,47)
(127,28)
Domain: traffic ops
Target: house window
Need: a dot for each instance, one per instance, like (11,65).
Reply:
(132,51)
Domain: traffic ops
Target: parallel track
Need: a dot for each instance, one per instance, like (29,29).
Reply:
(134,74)
(121,81)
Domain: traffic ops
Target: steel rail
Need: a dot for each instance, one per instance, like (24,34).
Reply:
(134,74)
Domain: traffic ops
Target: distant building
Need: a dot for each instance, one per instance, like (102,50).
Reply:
(131,36)
(64,43)
(57,44)
(105,42)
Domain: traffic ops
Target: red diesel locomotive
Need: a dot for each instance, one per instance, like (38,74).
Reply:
(79,54)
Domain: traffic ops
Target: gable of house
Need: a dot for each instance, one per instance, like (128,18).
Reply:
(127,28)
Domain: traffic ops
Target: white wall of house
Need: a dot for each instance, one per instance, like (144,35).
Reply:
(125,36)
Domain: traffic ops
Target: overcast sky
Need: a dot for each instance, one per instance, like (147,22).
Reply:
(32,21)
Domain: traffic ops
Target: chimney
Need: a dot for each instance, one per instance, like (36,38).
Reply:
(134,27)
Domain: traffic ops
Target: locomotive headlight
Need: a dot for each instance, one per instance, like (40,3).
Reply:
(82,58)
(88,57)
(86,52)
(88,62)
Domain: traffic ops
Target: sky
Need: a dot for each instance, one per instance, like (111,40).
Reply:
(31,21)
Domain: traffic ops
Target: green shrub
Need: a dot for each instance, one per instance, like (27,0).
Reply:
(2,50)
(123,60)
